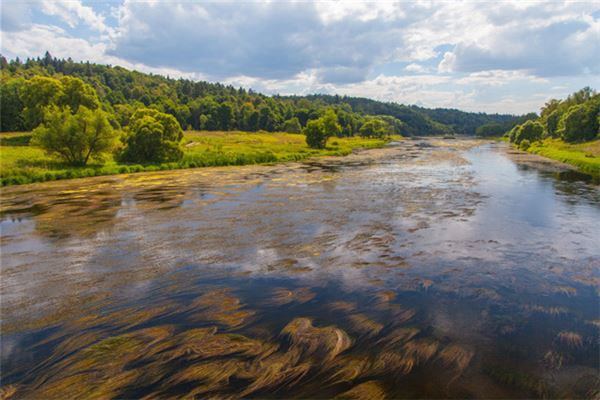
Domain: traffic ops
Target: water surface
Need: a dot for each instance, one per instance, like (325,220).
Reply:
(439,271)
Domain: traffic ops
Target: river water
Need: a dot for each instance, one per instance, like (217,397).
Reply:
(429,269)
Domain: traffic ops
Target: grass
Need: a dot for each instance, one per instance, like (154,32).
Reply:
(584,156)
(21,163)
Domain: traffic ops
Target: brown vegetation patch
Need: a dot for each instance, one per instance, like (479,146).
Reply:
(325,342)
(371,390)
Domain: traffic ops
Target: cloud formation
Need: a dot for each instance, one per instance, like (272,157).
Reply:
(464,54)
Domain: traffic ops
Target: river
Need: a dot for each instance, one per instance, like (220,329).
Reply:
(429,269)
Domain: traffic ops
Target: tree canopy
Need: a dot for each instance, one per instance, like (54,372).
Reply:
(30,86)
(75,138)
(575,119)
(153,136)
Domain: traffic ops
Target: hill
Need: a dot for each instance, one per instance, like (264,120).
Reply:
(209,106)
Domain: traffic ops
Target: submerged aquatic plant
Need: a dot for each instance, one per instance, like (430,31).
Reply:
(221,307)
(365,326)
(457,356)
(398,336)
(325,342)
(342,306)
(371,390)
(553,360)
(346,369)
(570,339)
(285,296)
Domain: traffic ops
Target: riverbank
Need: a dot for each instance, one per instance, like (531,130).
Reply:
(584,156)
(22,163)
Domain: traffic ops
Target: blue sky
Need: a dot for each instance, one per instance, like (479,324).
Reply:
(477,56)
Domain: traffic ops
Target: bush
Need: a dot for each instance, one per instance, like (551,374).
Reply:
(530,130)
(491,129)
(580,122)
(75,138)
(524,144)
(153,137)
(318,130)
(292,125)
(374,127)
(315,134)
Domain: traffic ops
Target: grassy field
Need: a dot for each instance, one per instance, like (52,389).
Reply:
(22,163)
(584,156)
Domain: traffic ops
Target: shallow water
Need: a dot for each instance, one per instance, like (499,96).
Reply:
(410,272)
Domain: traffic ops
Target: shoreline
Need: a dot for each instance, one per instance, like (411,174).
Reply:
(212,154)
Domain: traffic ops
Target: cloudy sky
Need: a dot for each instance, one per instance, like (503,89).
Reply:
(478,56)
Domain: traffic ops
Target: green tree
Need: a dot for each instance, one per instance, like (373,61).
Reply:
(374,127)
(38,93)
(315,134)
(491,129)
(11,107)
(292,125)
(552,121)
(266,119)
(530,130)
(317,131)
(580,122)
(77,93)
(153,137)
(225,116)
(76,138)
(330,124)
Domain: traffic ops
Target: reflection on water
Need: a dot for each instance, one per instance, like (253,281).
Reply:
(439,270)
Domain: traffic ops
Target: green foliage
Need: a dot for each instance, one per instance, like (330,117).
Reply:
(492,129)
(39,93)
(580,122)
(525,143)
(75,138)
(374,127)
(574,119)
(292,125)
(317,131)
(585,156)
(11,106)
(315,134)
(209,106)
(25,164)
(330,123)
(153,137)
(76,93)
(552,122)
(530,130)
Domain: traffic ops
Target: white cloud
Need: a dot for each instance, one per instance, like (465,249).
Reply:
(481,51)
(73,12)
(415,68)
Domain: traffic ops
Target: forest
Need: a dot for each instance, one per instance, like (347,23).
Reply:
(213,106)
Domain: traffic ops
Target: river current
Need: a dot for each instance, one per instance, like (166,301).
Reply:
(429,269)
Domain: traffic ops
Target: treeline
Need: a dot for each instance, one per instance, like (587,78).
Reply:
(195,105)
(418,120)
(575,119)
(213,106)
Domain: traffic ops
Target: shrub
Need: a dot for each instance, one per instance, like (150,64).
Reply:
(153,137)
(524,144)
(76,138)
(580,122)
(530,130)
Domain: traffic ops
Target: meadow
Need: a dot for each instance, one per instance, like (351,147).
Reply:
(585,156)
(21,162)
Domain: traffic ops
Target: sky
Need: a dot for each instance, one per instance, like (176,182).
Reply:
(489,56)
